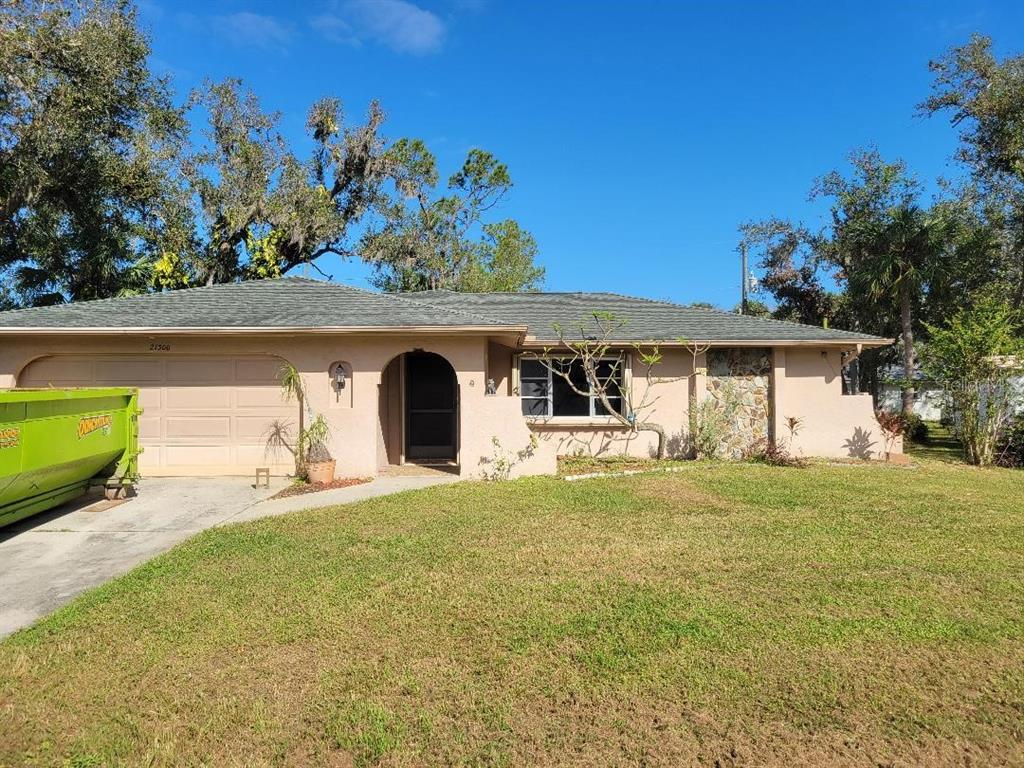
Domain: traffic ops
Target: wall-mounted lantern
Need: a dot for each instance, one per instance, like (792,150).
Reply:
(339,376)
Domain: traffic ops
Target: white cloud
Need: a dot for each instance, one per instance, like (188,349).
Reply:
(252,29)
(335,29)
(398,24)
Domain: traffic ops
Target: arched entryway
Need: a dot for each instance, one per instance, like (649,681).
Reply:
(419,410)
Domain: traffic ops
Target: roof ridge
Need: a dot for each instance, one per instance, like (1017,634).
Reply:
(512,293)
(412,302)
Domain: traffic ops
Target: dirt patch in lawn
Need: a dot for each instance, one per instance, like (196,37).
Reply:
(298,489)
(670,489)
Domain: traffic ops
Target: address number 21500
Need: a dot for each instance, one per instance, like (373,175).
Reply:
(159,347)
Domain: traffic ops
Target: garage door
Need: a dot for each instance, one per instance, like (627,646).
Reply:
(203,415)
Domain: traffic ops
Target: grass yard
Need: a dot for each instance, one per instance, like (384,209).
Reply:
(723,615)
(941,445)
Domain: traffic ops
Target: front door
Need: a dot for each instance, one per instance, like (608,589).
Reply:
(431,407)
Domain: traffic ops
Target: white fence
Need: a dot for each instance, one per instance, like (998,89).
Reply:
(931,403)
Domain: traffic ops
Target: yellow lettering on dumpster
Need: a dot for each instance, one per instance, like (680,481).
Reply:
(10,437)
(89,424)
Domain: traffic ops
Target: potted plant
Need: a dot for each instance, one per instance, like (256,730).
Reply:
(319,462)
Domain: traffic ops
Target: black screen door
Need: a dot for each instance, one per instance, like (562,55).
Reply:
(431,397)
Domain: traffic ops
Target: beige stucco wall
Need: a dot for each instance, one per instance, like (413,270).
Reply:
(807,385)
(354,415)
(667,392)
(499,366)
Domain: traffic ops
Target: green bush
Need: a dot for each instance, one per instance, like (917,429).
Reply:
(973,357)
(916,429)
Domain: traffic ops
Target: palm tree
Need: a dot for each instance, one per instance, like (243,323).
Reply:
(899,255)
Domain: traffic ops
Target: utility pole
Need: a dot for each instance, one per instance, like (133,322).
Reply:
(743,279)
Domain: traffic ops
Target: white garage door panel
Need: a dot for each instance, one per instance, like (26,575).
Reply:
(197,398)
(257,371)
(216,427)
(121,372)
(149,427)
(149,398)
(203,415)
(258,397)
(256,428)
(195,372)
(64,370)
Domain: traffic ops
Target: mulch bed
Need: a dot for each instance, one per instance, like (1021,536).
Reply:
(300,488)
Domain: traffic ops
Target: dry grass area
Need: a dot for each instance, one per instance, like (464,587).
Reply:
(722,615)
(584,465)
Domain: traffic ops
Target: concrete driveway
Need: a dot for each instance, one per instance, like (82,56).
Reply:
(50,558)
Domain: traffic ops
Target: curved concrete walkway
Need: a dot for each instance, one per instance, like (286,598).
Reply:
(48,559)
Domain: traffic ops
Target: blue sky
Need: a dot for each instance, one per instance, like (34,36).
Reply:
(638,134)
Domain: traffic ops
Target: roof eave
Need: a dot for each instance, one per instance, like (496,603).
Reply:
(261,330)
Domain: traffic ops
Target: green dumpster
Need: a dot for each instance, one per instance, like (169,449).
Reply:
(55,443)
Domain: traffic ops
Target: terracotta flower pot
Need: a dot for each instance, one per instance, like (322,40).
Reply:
(320,471)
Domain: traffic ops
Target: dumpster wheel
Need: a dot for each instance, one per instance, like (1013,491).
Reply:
(115,492)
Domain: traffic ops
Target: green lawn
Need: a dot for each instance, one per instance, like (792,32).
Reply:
(941,445)
(723,615)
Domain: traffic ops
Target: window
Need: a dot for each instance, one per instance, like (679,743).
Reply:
(851,377)
(544,392)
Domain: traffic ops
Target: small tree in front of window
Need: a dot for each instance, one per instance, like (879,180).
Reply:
(585,376)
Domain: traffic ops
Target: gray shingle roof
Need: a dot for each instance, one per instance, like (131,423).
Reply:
(289,302)
(644,319)
(294,302)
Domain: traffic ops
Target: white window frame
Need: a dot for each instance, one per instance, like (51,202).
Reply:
(625,374)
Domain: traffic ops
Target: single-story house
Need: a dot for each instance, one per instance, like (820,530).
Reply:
(428,377)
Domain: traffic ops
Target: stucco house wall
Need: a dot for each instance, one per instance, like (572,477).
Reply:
(804,383)
(207,359)
(354,418)
(667,390)
(807,385)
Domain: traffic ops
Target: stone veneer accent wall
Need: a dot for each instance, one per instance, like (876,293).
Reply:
(747,370)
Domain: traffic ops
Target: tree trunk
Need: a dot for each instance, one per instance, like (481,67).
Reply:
(909,360)
(647,426)
(300,453)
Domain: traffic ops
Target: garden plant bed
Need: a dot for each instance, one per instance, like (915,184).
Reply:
(723,614)
(298,489)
